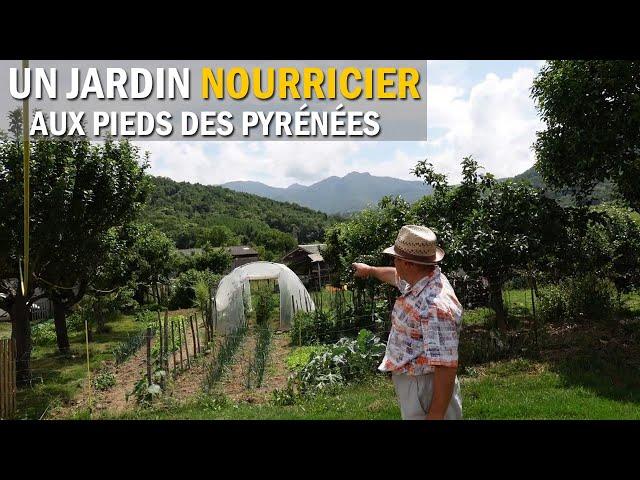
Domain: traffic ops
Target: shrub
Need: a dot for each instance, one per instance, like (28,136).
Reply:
(184,291)
(146,316)
(592,297)
(585,297)
(553,304)
(75,322)
(44,333)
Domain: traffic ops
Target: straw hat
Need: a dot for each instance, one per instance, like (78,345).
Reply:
(416,244)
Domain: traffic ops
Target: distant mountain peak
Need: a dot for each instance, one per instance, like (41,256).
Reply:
(353,192)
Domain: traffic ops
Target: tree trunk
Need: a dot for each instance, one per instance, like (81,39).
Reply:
(139,294)
(157,291)
(21,333)
(60,321)
(497,304)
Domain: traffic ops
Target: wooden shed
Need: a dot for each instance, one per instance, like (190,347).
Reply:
(308,263)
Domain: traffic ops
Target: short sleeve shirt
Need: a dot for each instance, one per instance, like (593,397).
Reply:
(425,326)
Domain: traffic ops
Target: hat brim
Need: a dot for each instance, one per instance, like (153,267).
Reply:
(415,259)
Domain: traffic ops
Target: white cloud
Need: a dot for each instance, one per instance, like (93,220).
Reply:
(495,120)
(496,124)
(274,163)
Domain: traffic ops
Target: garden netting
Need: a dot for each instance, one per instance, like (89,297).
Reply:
(233,296)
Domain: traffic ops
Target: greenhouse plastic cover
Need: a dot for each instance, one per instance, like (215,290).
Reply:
(234,292)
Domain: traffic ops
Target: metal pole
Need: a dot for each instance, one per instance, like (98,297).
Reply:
(86,339)
(26,150)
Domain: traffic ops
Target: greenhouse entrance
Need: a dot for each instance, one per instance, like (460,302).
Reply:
(233,297)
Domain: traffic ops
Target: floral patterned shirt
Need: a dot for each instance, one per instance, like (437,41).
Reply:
(425,326)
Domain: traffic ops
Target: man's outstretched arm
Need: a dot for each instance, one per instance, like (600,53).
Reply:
(384,274)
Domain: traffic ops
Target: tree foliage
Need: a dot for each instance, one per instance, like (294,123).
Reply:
(592,113)
(79,192)
(193,215)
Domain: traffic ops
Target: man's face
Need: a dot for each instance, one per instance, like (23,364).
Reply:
(402,267)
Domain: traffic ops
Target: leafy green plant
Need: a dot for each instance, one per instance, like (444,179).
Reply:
(44,333)
(345,361)
(264,303)
(300,356)
(104,380)
(75,322)
(285,396)
(144,393)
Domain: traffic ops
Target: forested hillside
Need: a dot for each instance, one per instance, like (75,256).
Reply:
(194,214)
(603,191)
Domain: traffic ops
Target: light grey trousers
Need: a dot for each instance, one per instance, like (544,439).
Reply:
(414,396)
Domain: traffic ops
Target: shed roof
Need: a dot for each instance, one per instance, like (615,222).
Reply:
(241,251)
(313,247)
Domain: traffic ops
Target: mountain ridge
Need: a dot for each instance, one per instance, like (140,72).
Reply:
(337,195)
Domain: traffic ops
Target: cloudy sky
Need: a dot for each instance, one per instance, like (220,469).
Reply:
(475,107)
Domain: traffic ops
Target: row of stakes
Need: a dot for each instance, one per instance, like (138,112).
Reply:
(178,335)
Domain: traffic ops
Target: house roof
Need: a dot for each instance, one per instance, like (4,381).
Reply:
(313,247)
(315,257)
(241,251)
(312,250)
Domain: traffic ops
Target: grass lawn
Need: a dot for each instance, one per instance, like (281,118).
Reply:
(58,377)
(5,330)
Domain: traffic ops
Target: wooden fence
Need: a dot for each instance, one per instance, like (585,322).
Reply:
(7,378)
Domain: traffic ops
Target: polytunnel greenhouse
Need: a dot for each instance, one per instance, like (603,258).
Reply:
(234,295)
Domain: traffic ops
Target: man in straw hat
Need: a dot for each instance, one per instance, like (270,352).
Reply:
(422,350)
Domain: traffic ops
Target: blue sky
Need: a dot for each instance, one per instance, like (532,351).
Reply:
(480,108)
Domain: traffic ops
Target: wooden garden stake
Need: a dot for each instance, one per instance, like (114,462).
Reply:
(215,309)
(186,345)
(173,345)
(166,339)
(180,335)
(193,336)
(195,317)
(160,339)
(149,355)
